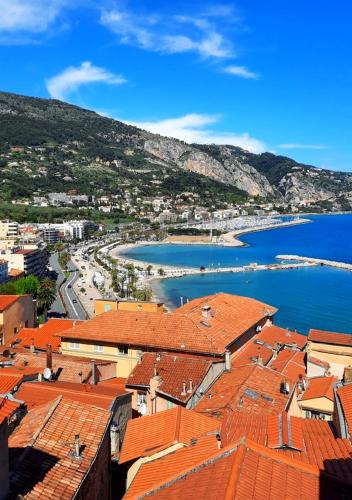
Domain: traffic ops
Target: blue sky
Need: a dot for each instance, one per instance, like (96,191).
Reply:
(265,75)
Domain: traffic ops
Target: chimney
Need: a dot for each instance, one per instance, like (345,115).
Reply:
(206,313)
(49,356)
(93,377)
(32,347)
(158,356)
(190,387)
(155,371)
(218,439)
(183,393)
(227,361)
(347,375)
(77,447)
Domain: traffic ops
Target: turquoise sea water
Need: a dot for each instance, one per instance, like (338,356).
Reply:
(307,298)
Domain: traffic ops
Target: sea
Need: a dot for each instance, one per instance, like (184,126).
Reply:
(318,297)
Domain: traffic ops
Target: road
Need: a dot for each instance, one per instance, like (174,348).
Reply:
(71,301)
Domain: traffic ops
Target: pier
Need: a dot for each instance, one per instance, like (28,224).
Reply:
(317,262)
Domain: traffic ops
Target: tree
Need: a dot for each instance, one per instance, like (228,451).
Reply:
(46,295)
(149,269)
(161,272)
(27,285)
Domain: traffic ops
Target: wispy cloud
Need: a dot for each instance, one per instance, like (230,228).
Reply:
(195,128)
(21,18)
(294,145)
(241,71)
(62,85)
(172,34)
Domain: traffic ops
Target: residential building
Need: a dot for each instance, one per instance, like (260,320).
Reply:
(343,405)
(51,235)
(317,400)
(30,259)
(162,380)
(208,326)
(331,347)
(4,271)
(61,450)
(8,230)
(104,305)
(16,312)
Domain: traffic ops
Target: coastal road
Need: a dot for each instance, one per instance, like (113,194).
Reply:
(71,301)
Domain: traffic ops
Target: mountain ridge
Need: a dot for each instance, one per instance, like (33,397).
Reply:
(81,145)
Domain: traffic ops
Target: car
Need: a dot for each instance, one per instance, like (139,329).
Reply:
(69,286)
(74,301)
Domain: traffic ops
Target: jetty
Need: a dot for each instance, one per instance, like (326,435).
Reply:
(317,262)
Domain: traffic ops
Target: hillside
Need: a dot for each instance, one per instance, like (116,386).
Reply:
(48,145)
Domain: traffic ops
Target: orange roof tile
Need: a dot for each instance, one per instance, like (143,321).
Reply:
(319,362)
(320,387)
(8,383)
(59,475)
(330,337)
(46,334)
(184,330)
(7,408)
(147,435)
(345,396)
(310,441)
(250,352)
(252,387)
(15,273)
(172,370)
(248,470)
(290,363)
(7,300)
(274,334)
(37,393)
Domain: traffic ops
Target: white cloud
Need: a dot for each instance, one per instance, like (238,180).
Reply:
(61,85)
(29,16)
(170,35)
(193,128)
(293,145)
(241,71)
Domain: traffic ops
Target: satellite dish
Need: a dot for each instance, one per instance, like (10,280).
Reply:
(47,374)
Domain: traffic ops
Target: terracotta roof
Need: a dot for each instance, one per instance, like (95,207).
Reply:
(274,334)
(9,382)
(250,352)
(172,370)
(330,337)
(154,472)
(290,363)
(345,395)
(66,368)
(319,362)
(7,300)
(308,440)
(320,387)
(59,475)
(43,335)
(7,408)
(14,273)
(183,330)
(37,393)
(147,435)
(252,388)
(248,470)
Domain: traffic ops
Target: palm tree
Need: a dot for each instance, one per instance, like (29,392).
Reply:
(46,295)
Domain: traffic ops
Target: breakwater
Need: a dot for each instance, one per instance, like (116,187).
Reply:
(317,262)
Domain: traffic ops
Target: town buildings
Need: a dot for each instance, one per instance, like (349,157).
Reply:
(16,312)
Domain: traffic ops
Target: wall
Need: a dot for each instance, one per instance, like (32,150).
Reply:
(337,356)
(323,405)
(102,306)
(18,315)
(314,370)
(121,414)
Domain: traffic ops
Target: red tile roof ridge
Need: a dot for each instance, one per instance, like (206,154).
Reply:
(230,492)
(327,337)
(319,362)
(320,390)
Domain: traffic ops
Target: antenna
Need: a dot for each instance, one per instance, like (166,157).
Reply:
(47,374)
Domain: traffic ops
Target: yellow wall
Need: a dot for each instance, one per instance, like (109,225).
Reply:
(102,306)
(337,356)
(323,405)
(125,362)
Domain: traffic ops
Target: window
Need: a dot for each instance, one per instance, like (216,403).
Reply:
(122,349)
(169,405)
(74,346)
(141,398)
(98,348)
(107,307)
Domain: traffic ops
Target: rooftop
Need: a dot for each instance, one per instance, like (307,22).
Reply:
(47,434)
(8,383)
(173,370)
(150,434)
(325,337)
(249,388)
(273,334)
(7,300)
(7,408)
(320,387)
(345,396)
(290,363)
(185,329)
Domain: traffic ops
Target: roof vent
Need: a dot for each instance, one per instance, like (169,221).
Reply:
(183,393)
(190,386)
(158,356)
(75,453)
(206,313)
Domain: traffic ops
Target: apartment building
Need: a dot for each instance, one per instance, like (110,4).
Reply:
(16,312)
(30,259)
(4,271)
